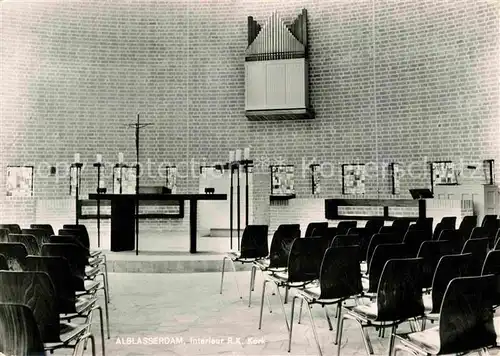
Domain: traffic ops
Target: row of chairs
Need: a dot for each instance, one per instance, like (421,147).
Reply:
(302,262)
(47,281)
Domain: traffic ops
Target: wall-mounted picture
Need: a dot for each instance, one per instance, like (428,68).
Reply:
(124,179)
(171,178)
(282,180)
(19,181)
(353,178)
(315,178)
(395,178)
(443,173)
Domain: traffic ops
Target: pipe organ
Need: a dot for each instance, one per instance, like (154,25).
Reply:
(276,70)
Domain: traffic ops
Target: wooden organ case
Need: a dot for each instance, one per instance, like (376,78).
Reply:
(276,70)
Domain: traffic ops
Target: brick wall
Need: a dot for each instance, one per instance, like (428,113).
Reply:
(406,81)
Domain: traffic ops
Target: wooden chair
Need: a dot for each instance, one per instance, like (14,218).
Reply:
(465,321)
(36,290)
(413,239)
(431,252)
(306,255)
(315,225)
(68,306)
(4,235)
(15,253)
(339,279)
(468,223)
(455,237)
(399,298)
(254,247)
(13,228)
(378,239)
(47,227)
(42,235)
(4,266)
(29,241)
(479,250)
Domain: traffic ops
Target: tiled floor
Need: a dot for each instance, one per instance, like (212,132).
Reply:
(173,314)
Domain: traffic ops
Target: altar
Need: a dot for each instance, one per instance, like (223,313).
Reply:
(123,216)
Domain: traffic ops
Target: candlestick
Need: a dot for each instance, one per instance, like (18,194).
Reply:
(98,158)
(231,156)
(120,157)
(246,153)
(238,155)
(77,158)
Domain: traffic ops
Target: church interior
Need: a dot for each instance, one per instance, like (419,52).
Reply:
(249,177)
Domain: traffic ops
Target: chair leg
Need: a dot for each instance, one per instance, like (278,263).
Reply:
(107,312)
(330,327)
(253,277)
(316,338)
(339,308)
(252,281)
(286,295)
(222,275)
(339,331)
(300,311)
(105,263)
(291,324)
(236,279)
(101,319)
(367,341)
(423,323)
(282,305)
(392,339)
(262,302)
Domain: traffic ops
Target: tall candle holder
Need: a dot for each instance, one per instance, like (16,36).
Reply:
(78,173)
(100,190)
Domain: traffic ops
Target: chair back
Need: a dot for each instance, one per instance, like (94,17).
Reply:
(374,225)
(35,290)
(4,266)
(80,235)
(305,259)
(413,240)
(454,236)
(479,232)
(290,229)
(381,255)
(345,241)
(340,274)
(315,225)
(41,235)
(449,222)
(47,227)
(344,226)
(468,223)
(4,235)
(71,252)
(19,334)
(401,224)
(281,245)
(466,318)
(29,241)
(321,231)
(15,253)
(497,239)
(399,294)
(254,242)
(431,252)
(490,221)
(423,224)
(13,228)
(59,272)
(449,267)
(378,239)
(365,236)
(491,263)
(479,249)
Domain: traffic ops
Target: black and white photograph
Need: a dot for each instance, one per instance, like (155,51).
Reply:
(249,177)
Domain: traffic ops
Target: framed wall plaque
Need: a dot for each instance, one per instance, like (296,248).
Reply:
(443,173)
(353,179)
(282,180)
(488,169)
(19,181)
